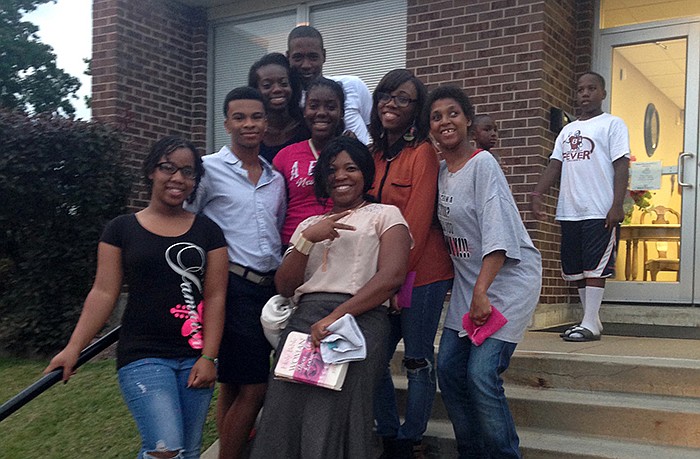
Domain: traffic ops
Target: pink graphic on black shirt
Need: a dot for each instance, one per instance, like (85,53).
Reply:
(192,327)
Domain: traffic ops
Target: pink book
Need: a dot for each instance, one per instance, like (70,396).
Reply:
(405,293)
(478,334)
(301,362)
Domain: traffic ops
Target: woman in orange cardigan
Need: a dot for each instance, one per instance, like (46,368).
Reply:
(406,176)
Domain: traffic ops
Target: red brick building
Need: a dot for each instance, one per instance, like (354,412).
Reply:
(162,66)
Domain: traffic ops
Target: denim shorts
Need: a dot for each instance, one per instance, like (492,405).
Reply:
(169,415)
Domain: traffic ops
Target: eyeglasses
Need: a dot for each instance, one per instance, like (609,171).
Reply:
(171,169)
(400,100)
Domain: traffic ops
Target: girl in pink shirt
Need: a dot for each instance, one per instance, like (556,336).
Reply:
(323,114)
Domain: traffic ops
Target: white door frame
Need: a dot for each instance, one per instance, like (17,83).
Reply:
(684,291)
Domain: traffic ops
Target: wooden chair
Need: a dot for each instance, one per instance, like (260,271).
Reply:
(662,263)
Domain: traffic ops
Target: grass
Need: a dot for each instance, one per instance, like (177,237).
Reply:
(82,419)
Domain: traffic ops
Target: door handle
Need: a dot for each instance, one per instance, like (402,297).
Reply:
(681,169)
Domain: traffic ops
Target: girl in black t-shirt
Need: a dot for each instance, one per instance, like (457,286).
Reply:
(176,267)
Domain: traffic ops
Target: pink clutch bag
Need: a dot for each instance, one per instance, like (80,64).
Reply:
(405,293)
(478,334)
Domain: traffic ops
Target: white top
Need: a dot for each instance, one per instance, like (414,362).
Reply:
(479,216)
(587,150)
(347,263)
(358,105)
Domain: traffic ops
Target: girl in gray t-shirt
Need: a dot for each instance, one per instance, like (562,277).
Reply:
(496,265)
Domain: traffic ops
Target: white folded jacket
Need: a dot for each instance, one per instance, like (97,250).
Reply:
(274,317)
(346,343)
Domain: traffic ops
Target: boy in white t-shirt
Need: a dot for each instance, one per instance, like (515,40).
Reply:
(591,155)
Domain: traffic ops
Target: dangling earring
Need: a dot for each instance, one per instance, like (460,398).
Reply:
(410,135)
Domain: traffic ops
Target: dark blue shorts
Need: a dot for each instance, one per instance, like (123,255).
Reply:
(588,249)
(244,355)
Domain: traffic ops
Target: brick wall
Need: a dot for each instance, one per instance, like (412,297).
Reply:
(516,59)
(149,74)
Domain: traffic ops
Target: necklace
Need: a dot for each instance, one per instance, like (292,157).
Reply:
(313,149)
(394,150)
(352,209)
(390,159)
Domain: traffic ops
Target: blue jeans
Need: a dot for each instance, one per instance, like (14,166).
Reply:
(472,390)
(169,416)
(417,326)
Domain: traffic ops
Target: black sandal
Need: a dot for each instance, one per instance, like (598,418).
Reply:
(568,331)
(582,335)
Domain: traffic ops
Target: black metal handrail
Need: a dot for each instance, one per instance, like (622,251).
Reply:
(42,384)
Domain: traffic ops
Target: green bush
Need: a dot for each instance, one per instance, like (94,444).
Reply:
(61,180)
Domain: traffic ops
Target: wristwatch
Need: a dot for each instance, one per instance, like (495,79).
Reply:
(302,244)
(213,360)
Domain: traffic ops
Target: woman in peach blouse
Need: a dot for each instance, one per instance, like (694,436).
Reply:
(349,261)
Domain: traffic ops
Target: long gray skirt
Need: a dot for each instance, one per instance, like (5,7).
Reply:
(303,421)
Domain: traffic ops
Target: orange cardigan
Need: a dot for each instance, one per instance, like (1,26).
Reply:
(409,182)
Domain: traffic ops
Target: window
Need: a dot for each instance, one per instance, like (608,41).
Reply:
(235,47)
(366,39)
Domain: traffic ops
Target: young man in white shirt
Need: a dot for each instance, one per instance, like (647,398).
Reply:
(307,55)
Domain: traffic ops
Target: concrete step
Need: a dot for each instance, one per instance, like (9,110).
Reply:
(615,364)
(619,392)
(551,315)
(650,315)
(660,420)
(629,374)
(620,397)
(550,444)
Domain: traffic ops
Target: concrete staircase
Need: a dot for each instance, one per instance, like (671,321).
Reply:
(620,397)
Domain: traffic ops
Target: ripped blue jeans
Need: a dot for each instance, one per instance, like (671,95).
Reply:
(169,415)
(417,326)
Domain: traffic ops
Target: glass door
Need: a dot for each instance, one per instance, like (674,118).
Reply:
(653,86)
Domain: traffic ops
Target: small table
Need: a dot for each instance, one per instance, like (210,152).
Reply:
(644,232)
